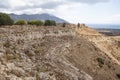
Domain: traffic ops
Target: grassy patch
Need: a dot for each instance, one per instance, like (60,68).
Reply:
(29,53)
(100,62)
(37,51)
(41,69)
(12,57)
(56,32)
(7,44)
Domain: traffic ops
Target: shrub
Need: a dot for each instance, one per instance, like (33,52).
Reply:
(35,22)
(64,24)
(100,61)
(53,23)
(118,75)
(50,23)
(29,53)
(11,56)
(47,22)
(5,19)
(21,22)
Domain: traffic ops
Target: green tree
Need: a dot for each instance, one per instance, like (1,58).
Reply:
(5,19)
(35,22)
(53,23)
(50,23)
(21,22)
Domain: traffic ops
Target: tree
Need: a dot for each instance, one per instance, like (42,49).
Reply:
(5,19)
(21,22)
(35,22)
(47,23)
(53,23)
(50,23)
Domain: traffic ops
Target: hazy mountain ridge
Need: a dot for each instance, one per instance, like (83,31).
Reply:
(43,17)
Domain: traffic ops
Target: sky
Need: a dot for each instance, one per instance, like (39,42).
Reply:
(74,11)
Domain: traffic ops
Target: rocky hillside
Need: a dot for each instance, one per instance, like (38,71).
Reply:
(108,44)
(57,53)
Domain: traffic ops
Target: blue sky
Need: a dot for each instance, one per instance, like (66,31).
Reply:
(74,11)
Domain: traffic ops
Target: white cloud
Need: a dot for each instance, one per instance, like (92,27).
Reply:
(84,11)
(42,3)
(89,1)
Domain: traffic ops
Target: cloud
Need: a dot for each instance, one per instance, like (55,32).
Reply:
(4,4)
(29,6)
(51,5)
(21,6)
(45,4)
(26,4)
(88,11)
(90,1)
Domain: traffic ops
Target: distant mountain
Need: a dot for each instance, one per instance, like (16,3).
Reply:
(42,17)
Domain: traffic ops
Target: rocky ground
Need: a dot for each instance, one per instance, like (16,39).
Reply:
(57,53)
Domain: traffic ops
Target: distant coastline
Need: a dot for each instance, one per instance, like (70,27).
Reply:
(104,26)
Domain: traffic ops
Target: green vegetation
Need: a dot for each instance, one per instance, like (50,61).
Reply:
(12,56)
(118,75)
(100,61)
(50,23)
(21,22)
(5,19)
(35,22)
(41,69)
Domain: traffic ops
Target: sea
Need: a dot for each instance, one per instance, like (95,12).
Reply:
(104,26)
